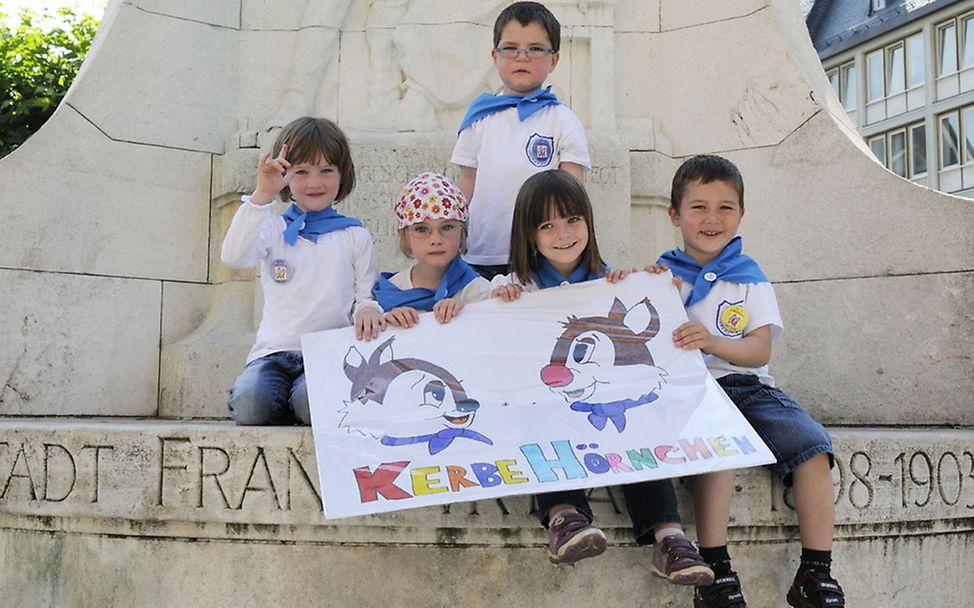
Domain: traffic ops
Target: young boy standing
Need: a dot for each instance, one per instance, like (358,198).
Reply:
(508,137)
(734,316)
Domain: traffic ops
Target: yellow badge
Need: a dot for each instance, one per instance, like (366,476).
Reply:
(733,319)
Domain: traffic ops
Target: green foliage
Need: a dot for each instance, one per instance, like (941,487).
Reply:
(39,59)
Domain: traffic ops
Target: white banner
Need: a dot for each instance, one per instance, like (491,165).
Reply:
(574,387)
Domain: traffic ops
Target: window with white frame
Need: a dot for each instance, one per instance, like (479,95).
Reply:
(946,49)
(875,76)
(915,64)
(843,81)
(949,140)
(903,151)
(895,78)
(918,149)
(878,5)
(848,84)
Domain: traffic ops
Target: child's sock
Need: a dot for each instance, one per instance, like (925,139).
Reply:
(718,559)
(819,561)
(665,531)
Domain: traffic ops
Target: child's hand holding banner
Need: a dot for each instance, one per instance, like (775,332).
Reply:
(573,387)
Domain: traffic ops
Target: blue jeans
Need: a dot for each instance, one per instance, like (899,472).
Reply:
(271,391)
(790,432)
(649,504)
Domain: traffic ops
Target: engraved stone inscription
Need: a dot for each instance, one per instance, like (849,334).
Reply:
(50,472)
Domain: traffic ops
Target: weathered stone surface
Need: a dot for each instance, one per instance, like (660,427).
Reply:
(836,359)
(678,15)
(225,14)
(154,486)
(187,101)
(58,359)
(115,208)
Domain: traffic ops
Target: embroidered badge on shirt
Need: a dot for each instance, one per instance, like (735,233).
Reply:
(540,150)
(281,274)
(732,318)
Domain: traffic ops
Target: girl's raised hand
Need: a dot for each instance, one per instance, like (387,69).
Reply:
(272,176)
(446,309)
(507,292)
(402,316)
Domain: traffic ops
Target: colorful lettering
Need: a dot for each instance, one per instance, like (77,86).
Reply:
(721,448)
(457,478)
(643,457)
(696,449)
(423,484)
(565,460)
(486,474)
(662,452)
(370,485)
(508,474)
(744,445)
(615,462)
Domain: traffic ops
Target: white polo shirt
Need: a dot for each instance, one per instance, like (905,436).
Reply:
(308,287)
(506,152)
(732,310)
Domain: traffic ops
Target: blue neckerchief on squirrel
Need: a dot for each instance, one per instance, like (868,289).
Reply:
(729,265)
(437,442)
(312,224)
(457,276)
(546,276)
(526,105)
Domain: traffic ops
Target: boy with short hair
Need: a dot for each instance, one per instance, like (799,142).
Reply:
(734,316)
(506,138)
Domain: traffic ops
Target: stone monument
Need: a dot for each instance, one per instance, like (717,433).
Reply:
(122,482)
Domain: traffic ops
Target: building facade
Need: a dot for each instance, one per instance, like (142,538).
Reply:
(904,71)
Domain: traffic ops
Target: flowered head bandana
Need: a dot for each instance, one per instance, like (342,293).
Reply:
(430,196)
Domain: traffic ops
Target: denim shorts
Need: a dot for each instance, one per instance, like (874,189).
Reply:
(790,432)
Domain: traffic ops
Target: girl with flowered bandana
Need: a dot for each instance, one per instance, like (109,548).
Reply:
(432,214)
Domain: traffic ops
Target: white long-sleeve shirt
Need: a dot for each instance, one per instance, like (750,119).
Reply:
(307,287)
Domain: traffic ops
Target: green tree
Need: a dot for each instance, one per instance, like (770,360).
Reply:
(39,59)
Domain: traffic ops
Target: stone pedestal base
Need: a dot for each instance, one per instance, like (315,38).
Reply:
(111,513)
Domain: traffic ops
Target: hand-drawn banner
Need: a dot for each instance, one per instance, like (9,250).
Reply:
(574,387)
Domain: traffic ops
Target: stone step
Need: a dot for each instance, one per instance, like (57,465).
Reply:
(99,505)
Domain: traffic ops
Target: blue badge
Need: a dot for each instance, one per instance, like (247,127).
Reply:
(540,150)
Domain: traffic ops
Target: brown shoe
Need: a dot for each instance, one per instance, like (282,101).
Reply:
(676,560)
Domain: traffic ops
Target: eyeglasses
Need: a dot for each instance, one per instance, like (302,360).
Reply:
(424,231)
(532,52)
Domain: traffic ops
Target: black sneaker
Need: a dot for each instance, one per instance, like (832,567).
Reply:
(724,592)
(812,589)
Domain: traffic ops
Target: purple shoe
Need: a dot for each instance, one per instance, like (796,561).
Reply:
(676,560)
(572,537)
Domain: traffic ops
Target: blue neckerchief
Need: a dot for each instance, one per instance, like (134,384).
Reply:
(457,276)
(614,410)
(312,224)
(438,441)
(546,276)
(729,265)
(526,105)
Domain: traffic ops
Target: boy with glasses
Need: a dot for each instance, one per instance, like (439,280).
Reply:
(508,137)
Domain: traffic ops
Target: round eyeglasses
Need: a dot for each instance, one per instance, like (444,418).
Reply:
(534,51)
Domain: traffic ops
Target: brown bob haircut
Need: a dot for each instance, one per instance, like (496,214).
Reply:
(542,197)
(309,139)
(706,168)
